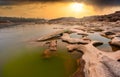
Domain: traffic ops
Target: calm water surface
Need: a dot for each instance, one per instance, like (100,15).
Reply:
(20,58)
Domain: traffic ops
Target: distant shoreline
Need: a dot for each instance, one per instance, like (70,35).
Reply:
(12,21)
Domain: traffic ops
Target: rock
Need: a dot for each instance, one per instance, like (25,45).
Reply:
(47,53)
(79,72)
(118,35)
(116,30)
(96,65)
(75,47)
(58,28)
(115,41)
(66,38)
(53,45)
(52,35)
(112,65)
(79,32)
(97,29)
(109,33)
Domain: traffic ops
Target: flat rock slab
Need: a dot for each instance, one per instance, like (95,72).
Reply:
(66,38)
(52,35)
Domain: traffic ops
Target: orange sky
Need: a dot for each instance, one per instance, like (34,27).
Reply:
(52,10)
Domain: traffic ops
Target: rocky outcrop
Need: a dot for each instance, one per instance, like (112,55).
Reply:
(66,38)
(109,18)
(79,32)
(71,20)
(52,35)
(80,72)
(111,33)
(98,63)
(52,46)
(112,65)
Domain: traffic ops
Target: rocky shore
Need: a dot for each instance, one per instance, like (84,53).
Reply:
(97,63)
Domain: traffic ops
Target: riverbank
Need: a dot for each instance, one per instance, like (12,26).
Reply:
(12,21)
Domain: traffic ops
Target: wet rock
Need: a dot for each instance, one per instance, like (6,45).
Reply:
(53,45)
(47,53)
(79,72)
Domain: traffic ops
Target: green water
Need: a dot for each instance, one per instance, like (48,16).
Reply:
(20,56)
(34,64)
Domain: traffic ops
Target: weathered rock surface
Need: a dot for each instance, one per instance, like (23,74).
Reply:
(79,32)
(115,41)
(111,33)
(66,38)
(80,72)
(52,46)
(96,64)
(112,65)
(52,35)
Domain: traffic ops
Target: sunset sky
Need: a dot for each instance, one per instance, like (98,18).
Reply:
(57,8)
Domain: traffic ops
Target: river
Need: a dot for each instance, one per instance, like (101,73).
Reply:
(21,56)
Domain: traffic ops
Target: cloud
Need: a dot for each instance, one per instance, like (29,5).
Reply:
(102,3)
(97,3)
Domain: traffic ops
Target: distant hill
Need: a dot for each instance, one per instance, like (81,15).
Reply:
(110,17)
(14,21)
(64,20)
(20,20)
(71,20)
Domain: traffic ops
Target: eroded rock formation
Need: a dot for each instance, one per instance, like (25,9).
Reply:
(66,38)
(52,46)
(98,63)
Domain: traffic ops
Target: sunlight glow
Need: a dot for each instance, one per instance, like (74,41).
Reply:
(76,7)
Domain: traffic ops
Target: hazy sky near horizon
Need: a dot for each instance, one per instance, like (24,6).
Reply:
(57,8)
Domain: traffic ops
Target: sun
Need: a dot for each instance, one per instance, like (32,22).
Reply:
(76,7)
